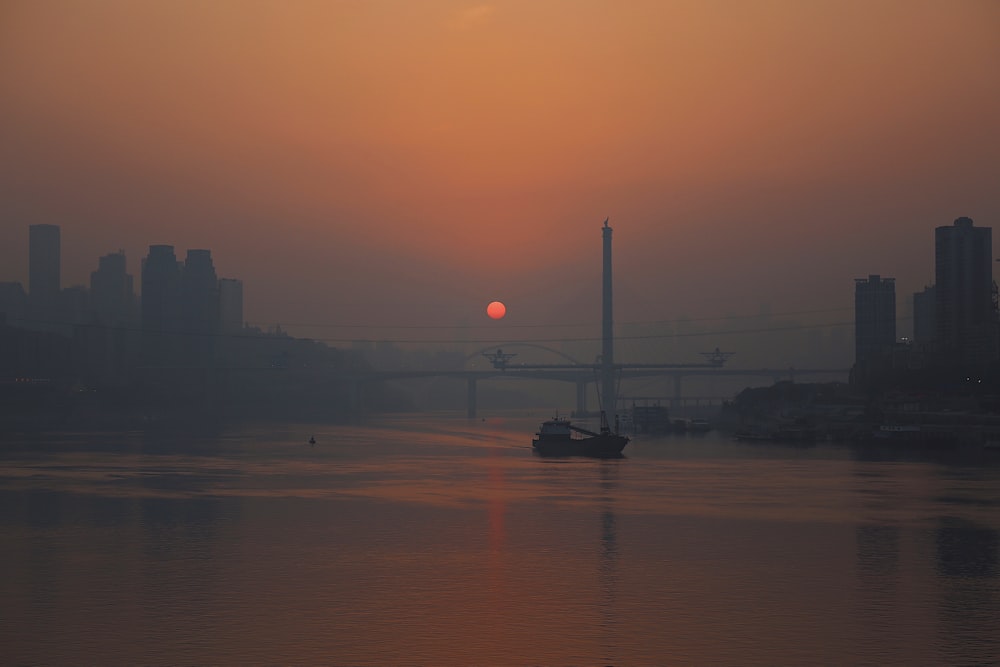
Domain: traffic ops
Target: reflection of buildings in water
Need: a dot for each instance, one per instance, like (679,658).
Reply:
(967,567)
(45,512)
(179,531)
(877,568)
(86,565)
(966,549)
(189,564)
(608,565)
(878,555)
(44,508)
(497,509)
(179,536)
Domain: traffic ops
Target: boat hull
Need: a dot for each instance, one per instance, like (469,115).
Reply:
(603,446)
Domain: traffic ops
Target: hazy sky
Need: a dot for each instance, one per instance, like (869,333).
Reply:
(406,162)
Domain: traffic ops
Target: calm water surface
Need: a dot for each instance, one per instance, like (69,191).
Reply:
(435,540)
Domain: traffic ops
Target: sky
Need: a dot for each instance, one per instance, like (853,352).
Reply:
(401,164)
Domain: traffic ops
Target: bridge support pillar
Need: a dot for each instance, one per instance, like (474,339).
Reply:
(470,399)
(581,398)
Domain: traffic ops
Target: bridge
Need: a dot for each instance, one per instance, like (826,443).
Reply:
(583,375)
(604,371)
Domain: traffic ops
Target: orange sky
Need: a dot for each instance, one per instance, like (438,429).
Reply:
(407,162)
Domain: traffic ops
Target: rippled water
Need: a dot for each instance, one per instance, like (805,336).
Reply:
(434,540)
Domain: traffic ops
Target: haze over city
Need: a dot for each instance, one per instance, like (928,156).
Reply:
(308,353)
(399,163)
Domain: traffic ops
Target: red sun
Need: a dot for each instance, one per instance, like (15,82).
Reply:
(496,310)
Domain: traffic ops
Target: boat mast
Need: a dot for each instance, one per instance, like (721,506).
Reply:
(608,394)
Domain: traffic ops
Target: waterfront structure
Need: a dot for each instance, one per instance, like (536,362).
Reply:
(874,324)
(966,318)
(44,273)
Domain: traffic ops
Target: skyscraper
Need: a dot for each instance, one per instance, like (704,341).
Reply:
(230,305)
(13,302)
(924,319)
(874,323)
(199,293)
(111,291)
(43,271)
(160,305)
(966,317)
(199,307)
(113,344)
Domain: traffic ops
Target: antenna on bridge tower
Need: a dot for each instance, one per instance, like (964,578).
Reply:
(716,357)
(499,358)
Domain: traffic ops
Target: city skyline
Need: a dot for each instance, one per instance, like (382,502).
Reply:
(312,352)
(189,297)
(119,259)
(405,165)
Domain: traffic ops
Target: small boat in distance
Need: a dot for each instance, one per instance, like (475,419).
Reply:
(558,437)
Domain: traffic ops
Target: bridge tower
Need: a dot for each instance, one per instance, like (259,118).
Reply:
(609,399)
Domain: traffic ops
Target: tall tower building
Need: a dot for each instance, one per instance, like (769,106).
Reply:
(230,305)
(112,304)
(965,317)
(199,307)
(111,290)
(13,303)
(924,318)
(199,293)
(874,323)
(160,305)
(43,271)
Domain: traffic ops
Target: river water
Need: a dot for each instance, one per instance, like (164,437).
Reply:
(436,540)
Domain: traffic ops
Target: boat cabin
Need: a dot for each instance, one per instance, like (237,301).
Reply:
(554,429)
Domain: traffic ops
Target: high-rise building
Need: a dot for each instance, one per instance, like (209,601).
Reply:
(160,305)
(230,305)
(199,293)
(874,322)
(924,320)
(13,303)
(199,307)
(111,290)
(965,313)
(74,305)
(114,343)
(43,272)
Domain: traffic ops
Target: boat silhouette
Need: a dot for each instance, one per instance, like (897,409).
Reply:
(559,437)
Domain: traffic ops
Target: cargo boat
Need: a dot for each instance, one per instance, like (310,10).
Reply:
(559,437)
